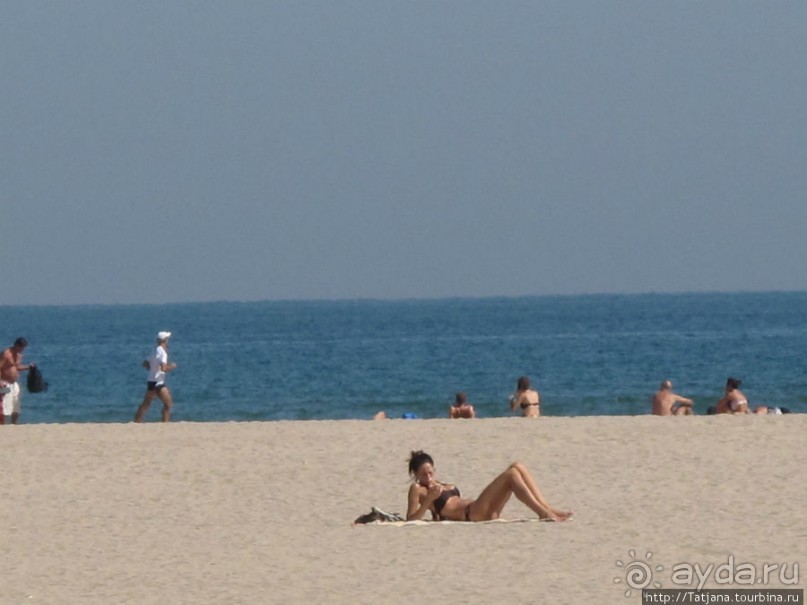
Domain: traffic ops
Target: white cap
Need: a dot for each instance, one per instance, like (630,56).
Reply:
(163,335)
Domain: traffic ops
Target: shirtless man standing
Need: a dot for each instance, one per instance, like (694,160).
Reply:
(10,367)
(667,403)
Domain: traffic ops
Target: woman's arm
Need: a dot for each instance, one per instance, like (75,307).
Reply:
(420,501)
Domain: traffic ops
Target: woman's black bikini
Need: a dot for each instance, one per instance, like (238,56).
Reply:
(441,500)
(525,405)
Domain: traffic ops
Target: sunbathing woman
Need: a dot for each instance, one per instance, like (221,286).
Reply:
(445,503)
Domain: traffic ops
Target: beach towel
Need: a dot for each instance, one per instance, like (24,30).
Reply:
(376,516)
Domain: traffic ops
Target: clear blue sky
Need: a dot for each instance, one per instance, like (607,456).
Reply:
(159,151)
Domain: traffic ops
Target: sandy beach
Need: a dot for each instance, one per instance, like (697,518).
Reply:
(262,512)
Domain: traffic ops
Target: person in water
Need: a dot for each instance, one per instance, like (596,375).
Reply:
(461,408)
(526,398)
(444,501)
(733,402)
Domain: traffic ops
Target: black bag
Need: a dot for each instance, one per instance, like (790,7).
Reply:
(36,384)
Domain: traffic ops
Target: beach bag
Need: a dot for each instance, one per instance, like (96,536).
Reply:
(36,384)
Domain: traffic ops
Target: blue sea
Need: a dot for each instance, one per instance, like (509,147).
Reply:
(587,355)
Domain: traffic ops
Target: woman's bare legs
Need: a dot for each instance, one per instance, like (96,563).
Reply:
(515,480)
(165,396)
(144,406)
(533,487)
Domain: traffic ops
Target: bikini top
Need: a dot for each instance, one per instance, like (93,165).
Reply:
(440,502)
(525,405)
(735,404)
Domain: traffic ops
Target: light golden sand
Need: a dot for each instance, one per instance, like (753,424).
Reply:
(262,512)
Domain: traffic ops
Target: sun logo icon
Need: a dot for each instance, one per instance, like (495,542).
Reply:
(638,573)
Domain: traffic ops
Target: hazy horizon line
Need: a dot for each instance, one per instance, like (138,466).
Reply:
(405,299)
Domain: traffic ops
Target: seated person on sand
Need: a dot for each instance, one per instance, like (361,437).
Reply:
(733,402)
(461,408)
(444,502)
(667,403)
(525,398)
